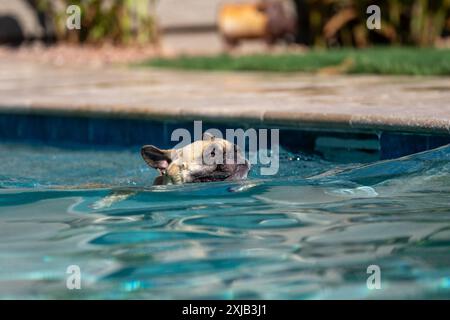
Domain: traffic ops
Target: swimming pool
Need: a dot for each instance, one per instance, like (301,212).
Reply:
(310,232)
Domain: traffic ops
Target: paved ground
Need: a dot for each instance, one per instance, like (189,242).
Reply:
(347,102)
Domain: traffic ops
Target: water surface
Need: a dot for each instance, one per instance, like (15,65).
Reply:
(310,232)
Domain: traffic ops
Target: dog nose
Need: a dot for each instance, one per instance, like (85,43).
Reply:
(241,170)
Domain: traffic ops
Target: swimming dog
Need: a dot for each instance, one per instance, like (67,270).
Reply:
(207,160)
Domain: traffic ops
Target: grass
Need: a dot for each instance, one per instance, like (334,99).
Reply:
(380,60)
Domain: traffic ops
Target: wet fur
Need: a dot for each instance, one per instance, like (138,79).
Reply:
(189,165)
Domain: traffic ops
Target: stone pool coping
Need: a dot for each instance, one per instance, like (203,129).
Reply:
(347,103)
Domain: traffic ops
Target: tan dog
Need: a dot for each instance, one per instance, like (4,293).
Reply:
(207,160)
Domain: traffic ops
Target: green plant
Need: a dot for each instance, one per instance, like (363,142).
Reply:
(410,22)
(116,21)
(376,60)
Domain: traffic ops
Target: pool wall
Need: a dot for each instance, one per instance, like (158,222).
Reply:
(87,132)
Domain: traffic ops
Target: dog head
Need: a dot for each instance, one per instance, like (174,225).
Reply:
(207,160)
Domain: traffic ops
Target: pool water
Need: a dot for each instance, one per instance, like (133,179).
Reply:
(310,232)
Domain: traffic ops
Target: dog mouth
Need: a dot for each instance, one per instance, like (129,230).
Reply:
(224,173)
(215,176)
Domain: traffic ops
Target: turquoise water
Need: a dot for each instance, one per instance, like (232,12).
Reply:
(309,232)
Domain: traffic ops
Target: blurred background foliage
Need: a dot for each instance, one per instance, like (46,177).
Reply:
(116,21)
(343,22)
(323,23)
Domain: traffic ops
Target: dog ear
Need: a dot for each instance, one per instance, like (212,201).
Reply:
(208,136)
(155,157)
